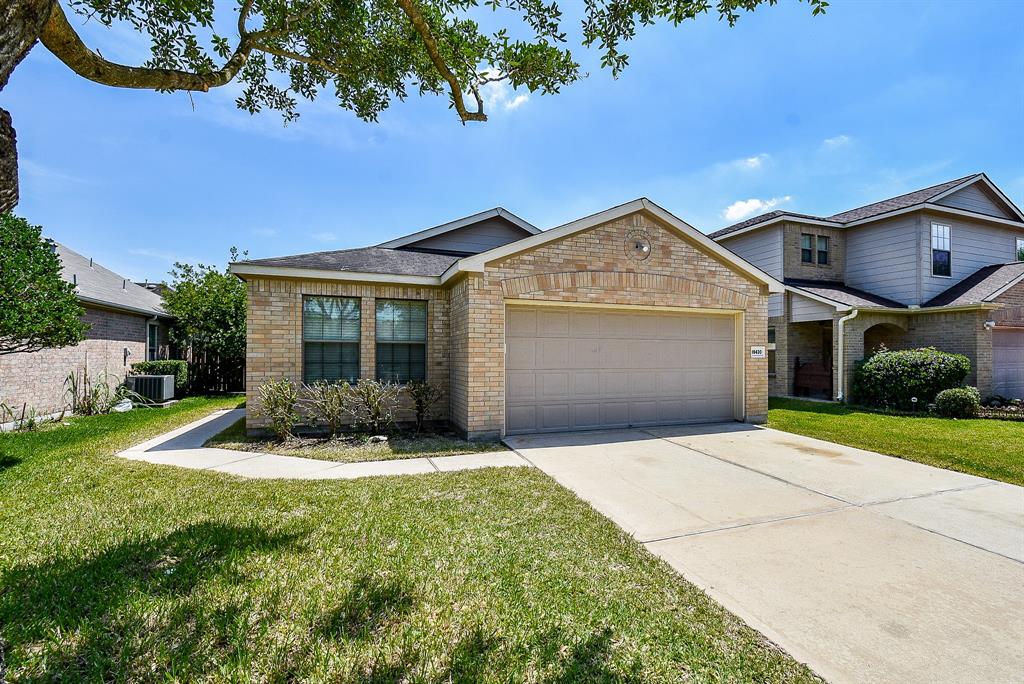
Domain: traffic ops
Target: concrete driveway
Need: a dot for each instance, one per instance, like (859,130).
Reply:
(866,567)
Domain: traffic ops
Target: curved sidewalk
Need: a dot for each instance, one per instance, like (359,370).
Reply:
(184,448)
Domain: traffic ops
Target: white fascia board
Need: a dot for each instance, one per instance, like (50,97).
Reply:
(780,219)
(981,178)
(1004,288)
(461,223)
(838,306)
(939,209)
(243,270)
(477,262)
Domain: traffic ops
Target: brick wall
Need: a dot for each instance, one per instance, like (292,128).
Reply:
(274,333)
(592,267)
(36,380)
(793,267)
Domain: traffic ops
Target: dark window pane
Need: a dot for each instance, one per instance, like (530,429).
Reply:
(399,362)
(401,320)
(330,318)
(941,265)
(330,361)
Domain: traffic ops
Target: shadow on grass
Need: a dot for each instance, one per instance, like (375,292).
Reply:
(7,461)
(820,407)
(370,605)
(94,599)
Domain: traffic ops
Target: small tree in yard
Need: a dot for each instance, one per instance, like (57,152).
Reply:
(209,308)
(424,396)
(38,308)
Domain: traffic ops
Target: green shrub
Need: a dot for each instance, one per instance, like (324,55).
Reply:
(907,380)
(958,402)
(424,396)
(277,400)
(374,405)
(179,369)
(329,403)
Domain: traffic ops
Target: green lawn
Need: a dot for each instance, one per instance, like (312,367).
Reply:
(989,448)
(352,448)
(115,570)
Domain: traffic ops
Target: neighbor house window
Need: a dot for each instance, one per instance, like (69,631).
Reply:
(152,342)
(941,265)
(330,339)
(1020,249)
(822,249)
(771,350)
(401,340)
(807,249)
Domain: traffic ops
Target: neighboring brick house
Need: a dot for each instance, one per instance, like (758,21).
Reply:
(628,317)
(127,323)
(942,266)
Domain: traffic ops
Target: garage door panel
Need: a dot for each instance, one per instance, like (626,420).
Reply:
(521,353)
(1008,363)
(573,369)
(522,323)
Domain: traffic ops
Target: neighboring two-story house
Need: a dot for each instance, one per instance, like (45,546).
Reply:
(942,266)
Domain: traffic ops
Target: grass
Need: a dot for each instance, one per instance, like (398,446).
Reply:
(351,448)
(989,448)
(115,570)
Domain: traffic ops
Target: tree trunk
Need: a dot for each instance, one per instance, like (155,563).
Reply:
(21,22)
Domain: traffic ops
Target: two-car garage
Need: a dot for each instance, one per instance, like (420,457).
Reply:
(577,368)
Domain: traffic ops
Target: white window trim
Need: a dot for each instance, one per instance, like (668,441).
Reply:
(771,347)
(149,350)
(949,248)
(1018,246)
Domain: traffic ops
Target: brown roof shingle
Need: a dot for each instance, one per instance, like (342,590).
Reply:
(366,260)
(979,286)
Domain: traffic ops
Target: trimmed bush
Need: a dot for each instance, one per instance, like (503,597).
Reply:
(958,402)
(894,379)
(277,403)
(179,369)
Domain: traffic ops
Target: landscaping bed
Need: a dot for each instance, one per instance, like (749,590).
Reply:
(116,570)
(979,446)
(354,447)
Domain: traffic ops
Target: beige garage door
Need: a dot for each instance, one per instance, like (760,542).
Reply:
(1008,363)
(579,369)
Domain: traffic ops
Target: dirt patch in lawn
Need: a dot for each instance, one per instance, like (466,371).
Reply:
(354,447)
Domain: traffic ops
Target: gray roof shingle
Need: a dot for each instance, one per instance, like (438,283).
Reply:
(977,287)
(839,292)
(96,284)
(867,211)
(366,260)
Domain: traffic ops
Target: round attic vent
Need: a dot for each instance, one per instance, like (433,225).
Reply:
(638,245)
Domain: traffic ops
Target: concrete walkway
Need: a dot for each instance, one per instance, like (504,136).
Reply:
(866,567)
(184,448)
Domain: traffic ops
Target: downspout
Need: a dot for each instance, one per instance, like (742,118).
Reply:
(841,395)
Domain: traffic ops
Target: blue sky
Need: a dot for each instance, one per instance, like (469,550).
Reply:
(815,115)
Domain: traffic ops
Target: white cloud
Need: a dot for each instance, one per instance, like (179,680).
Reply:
(836,142)
(265,232)
(752,163)
(741,209)
(499,94)
(325,237)
(47,173)
(517,101)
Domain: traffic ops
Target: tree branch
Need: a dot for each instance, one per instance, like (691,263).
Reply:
(299,57)
(61,39)
(420,24)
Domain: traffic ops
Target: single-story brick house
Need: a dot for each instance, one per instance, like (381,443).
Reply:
(628,317)
(127,323)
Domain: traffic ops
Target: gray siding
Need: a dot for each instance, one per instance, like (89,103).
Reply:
(979,199)
(479,237)
(972,246)
(763,248)
(880,258)
(806,309)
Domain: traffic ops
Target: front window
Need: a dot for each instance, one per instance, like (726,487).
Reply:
(941,261)
(153,342)
(771,350)
(1020,249)
(330,339)
(807,249)
(822,249)
(401,340)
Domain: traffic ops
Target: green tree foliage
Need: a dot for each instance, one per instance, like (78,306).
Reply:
(38,308)
(365,54)
(209,310)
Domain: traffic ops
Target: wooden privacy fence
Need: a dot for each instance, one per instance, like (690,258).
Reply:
(210,373)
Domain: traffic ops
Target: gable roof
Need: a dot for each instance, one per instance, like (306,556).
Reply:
(876,209)
(95,284)
(476,263)
(980,287)
(497,212)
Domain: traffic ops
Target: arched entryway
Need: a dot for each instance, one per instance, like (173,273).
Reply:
(883,335)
